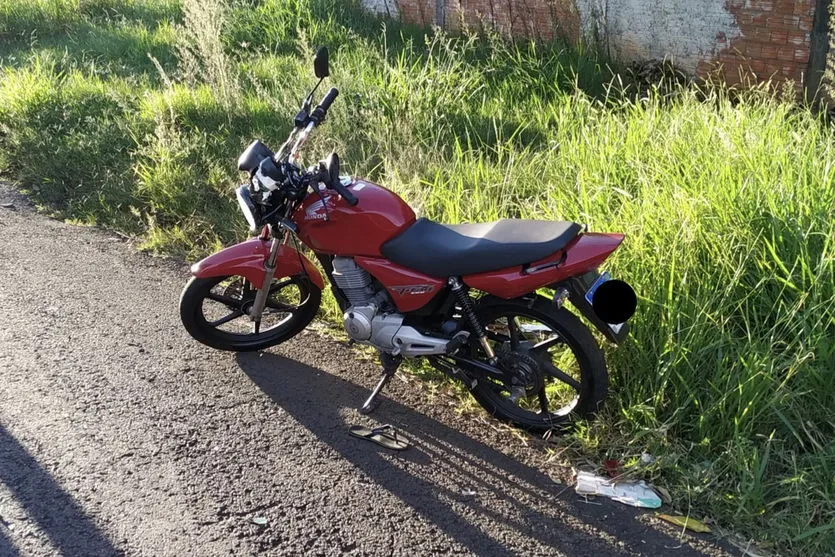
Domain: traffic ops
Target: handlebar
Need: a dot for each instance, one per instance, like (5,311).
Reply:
(299,135)
(319,113)
(316,118)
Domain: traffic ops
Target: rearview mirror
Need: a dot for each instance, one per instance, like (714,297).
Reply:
(320,63)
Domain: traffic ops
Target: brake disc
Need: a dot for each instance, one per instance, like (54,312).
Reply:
(235,290)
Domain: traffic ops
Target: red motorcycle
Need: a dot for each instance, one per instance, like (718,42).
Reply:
(471,298)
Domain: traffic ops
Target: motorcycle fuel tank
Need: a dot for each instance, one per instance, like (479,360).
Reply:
(329,225)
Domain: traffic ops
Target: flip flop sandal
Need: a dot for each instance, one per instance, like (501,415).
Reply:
(385,436)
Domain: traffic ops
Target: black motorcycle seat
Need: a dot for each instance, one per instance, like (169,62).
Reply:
(445,250)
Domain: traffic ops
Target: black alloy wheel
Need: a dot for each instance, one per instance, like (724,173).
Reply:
(553,368)
(215,311)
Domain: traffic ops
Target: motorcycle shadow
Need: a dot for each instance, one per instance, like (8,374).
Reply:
(484,499)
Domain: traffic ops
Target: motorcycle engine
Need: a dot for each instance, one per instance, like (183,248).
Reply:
(367,321)
(356,284)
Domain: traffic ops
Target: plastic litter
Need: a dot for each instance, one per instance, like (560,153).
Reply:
(685,522)
(259,520)
(635,494)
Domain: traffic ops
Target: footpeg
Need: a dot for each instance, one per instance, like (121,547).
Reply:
(460,339)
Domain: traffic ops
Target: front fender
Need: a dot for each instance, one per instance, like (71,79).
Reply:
(247,260)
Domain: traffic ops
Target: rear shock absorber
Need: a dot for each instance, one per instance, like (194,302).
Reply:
(467,307)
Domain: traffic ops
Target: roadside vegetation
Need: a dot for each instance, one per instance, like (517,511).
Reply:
(130,114)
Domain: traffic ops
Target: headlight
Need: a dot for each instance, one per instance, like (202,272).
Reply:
(248,208)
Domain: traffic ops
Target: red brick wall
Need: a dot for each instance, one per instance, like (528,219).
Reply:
(773,40)
(420,12)
(539,19)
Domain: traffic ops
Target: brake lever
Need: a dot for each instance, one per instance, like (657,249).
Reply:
(320,174)
(346,194)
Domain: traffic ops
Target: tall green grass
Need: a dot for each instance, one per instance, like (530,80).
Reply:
(728,203)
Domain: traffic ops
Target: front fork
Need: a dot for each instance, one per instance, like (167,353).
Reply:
(257,309)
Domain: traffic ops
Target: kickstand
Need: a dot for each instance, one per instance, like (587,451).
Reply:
(390,364)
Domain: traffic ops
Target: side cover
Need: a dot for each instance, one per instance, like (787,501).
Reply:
(247,260)
(409,290)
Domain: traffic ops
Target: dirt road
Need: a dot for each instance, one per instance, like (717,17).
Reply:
(120,435)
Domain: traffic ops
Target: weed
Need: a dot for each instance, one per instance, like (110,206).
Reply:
(201,53)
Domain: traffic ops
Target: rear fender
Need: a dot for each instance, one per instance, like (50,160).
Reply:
(588,252)
(247,260)
(585,253)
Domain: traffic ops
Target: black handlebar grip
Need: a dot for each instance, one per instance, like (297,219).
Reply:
(346,194)
(319,113)
(327,101)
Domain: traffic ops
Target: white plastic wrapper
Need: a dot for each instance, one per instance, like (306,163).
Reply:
(635,494)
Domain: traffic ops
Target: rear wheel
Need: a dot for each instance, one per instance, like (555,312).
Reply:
(215,311)
(553,368)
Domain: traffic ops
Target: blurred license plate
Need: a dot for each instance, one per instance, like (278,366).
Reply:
(600,280)
(605,276)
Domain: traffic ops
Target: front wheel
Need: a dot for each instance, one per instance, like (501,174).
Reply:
(552,368)
(215,311)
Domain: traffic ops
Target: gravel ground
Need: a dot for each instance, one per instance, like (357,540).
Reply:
(121,435)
